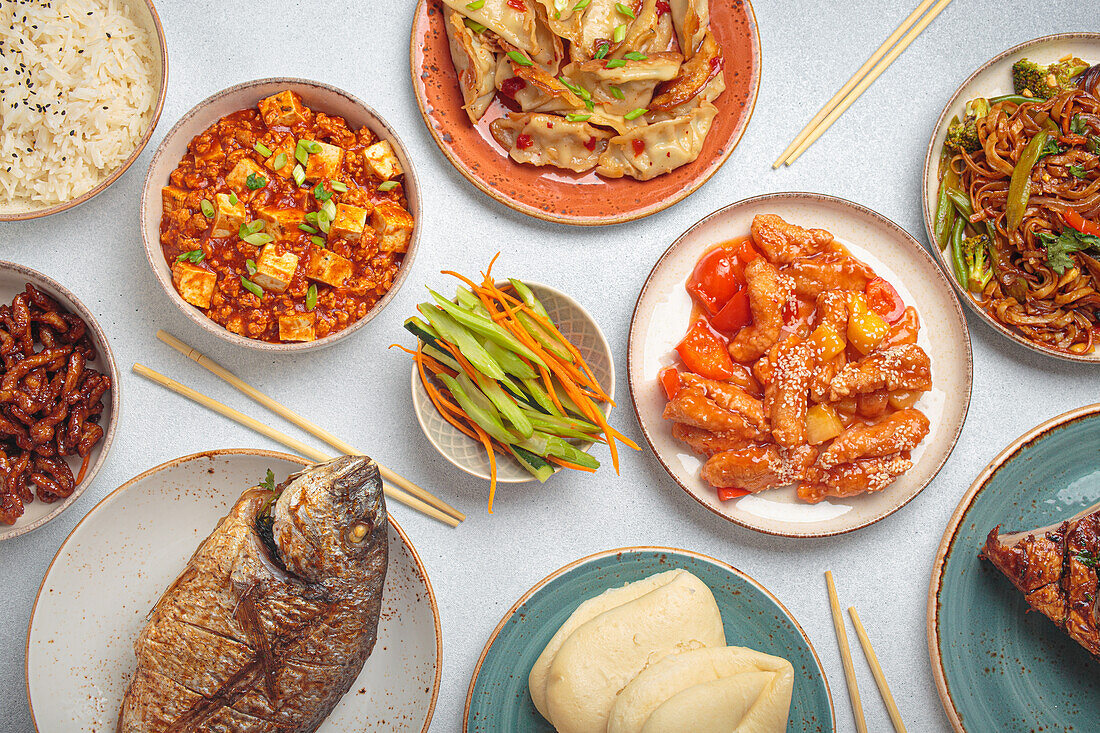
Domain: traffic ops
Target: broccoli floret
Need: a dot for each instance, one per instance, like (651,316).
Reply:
(979,270)
(1043,82)
(963,136)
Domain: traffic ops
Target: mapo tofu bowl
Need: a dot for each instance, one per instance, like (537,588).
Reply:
(281,214)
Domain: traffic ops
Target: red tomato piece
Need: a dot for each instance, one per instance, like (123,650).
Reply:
(704,352)
(734,314)
(725,494)
(884,300)
(718,275)
(670,381)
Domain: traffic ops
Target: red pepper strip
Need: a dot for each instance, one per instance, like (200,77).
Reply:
(734,314)
(1080,223)
(725,494)
(884,300)
(670,382)
(704,352)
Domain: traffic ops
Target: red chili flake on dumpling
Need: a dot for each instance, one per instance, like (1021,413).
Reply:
(523,142)
(517,5)
(639,147)
(590,143)
(510,87)
(663,7)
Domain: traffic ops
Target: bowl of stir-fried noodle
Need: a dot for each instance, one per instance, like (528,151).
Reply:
(1012,194)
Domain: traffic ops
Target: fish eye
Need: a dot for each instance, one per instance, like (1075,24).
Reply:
(358,532)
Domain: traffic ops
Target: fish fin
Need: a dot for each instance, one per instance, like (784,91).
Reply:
(248,617)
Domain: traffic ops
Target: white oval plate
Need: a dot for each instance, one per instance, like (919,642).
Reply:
(661,318)
(993,79)
(120,558)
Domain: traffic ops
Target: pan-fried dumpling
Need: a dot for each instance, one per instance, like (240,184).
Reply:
(475,62)
(563,19)
(520,28)
(691,18)
(541,139)
(650,32)
(653,150)
(700,80)
(726,689)
(534,90)
(597,27)
(635,81)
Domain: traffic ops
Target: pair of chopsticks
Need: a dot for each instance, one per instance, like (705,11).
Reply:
(907,32)
(849,667)
(396,487)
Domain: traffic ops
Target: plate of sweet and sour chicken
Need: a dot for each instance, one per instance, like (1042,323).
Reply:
(799,364)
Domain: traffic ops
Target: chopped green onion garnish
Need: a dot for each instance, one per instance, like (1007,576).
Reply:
(604,48)
(320,193)
(250,265)
(251,227)
(577,118)
(299,174)
(307,228)
(387,186)
(311,297)
(252,287)
(619,34)
(318,241)
(616,92)
(475,26)
(207,209)
(635,113)
(195,255)
(323,221)
(233,200)
(300,152)
(311,146)
(262,150)
(338,186)
(625,10)
(519,58)
(590,105)
(580,5)
(311,217)
(615,64)
(280,161)
(258,239)
(255,181)
(329,209)
(635,56)
(475,5)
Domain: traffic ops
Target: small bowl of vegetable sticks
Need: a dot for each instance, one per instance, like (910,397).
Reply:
(512,381)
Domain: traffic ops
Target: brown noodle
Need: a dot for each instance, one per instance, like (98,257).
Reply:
(1060,312)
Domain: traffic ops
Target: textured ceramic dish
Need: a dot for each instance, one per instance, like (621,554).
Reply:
(662,316)
(575,324)
(498,700)
(13,280)
(564,196)
(992,79)
(119,559)
(146,16)
(316,96)
(999,666)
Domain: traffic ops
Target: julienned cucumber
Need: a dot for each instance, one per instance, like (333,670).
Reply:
(539,467)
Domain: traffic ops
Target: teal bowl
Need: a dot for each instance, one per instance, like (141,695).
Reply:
(498,701)
(997,666)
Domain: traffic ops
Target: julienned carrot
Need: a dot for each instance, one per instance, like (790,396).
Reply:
(550,388)
(431,363)
(445,408)
(484,438)
(567,464)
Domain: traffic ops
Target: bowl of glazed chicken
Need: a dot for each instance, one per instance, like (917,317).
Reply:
(799,364)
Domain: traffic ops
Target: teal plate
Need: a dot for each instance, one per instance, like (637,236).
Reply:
(498,702)
(997,666)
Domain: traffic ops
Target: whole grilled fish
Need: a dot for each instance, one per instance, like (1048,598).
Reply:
(272,619)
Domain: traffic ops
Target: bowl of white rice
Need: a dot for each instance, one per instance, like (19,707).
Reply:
(82,84)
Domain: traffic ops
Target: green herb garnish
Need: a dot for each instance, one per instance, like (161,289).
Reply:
(635,56)
(320,193)
(603,50)
(625,10)
(312,146)
(329,208)
(338,186)
(519,58)
(250,228)
(619,34)
(475,5)
(387,186)
(233,200)
(1060,247)
(250,265)
(318,241)
(1077,125)
(615,64)
(578,118)
(311,217)
(300,153)
(307,228)
(262,150)
(195,255)
(280,161)
(1094,144)
(269,482)
(581,5)
(1088,559)
(207,209)
(1079,171)
(255,181)
(635,113)
(616,92)
(252,287)
(475,26)
(311,297)
(258,240)
(299,174)
(1051,147)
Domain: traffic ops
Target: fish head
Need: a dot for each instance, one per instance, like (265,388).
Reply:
(329,517)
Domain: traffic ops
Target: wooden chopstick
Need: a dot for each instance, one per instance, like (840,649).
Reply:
(287,414)
(868,80)
(876,670)
(292,443)
(878,54)
(845,655)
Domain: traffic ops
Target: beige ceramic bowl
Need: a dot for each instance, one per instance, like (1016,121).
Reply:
(13,279)
(317,96)
(146,16)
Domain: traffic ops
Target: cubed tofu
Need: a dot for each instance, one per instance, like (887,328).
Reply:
(284,108)
(238,177)
(274,271)
(349,223)
(194,284)
(394,226)
(297,327)
(281,223)
(284,147)
(380,158)
(174,198)
(325,164)
(328,267)
(227,217)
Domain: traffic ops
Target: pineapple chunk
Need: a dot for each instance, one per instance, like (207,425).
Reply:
(866,329)
(822,423)
(827,343)
(903,400)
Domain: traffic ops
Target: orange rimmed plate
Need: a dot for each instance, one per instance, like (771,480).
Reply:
(556,195)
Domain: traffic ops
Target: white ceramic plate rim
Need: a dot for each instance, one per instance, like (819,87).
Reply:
(111,497)
(931,186)
(760,202)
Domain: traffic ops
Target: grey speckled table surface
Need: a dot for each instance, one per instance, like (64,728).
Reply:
(359,390)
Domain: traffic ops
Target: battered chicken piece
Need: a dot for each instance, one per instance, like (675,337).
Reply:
(901,431)
(793,372)
(832,313)
(904,331)
(758,467)
(717,407)
(904,367)
(767,293)
(873,404)
(829,271)
(782,242)
(850,479)
(706,442)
